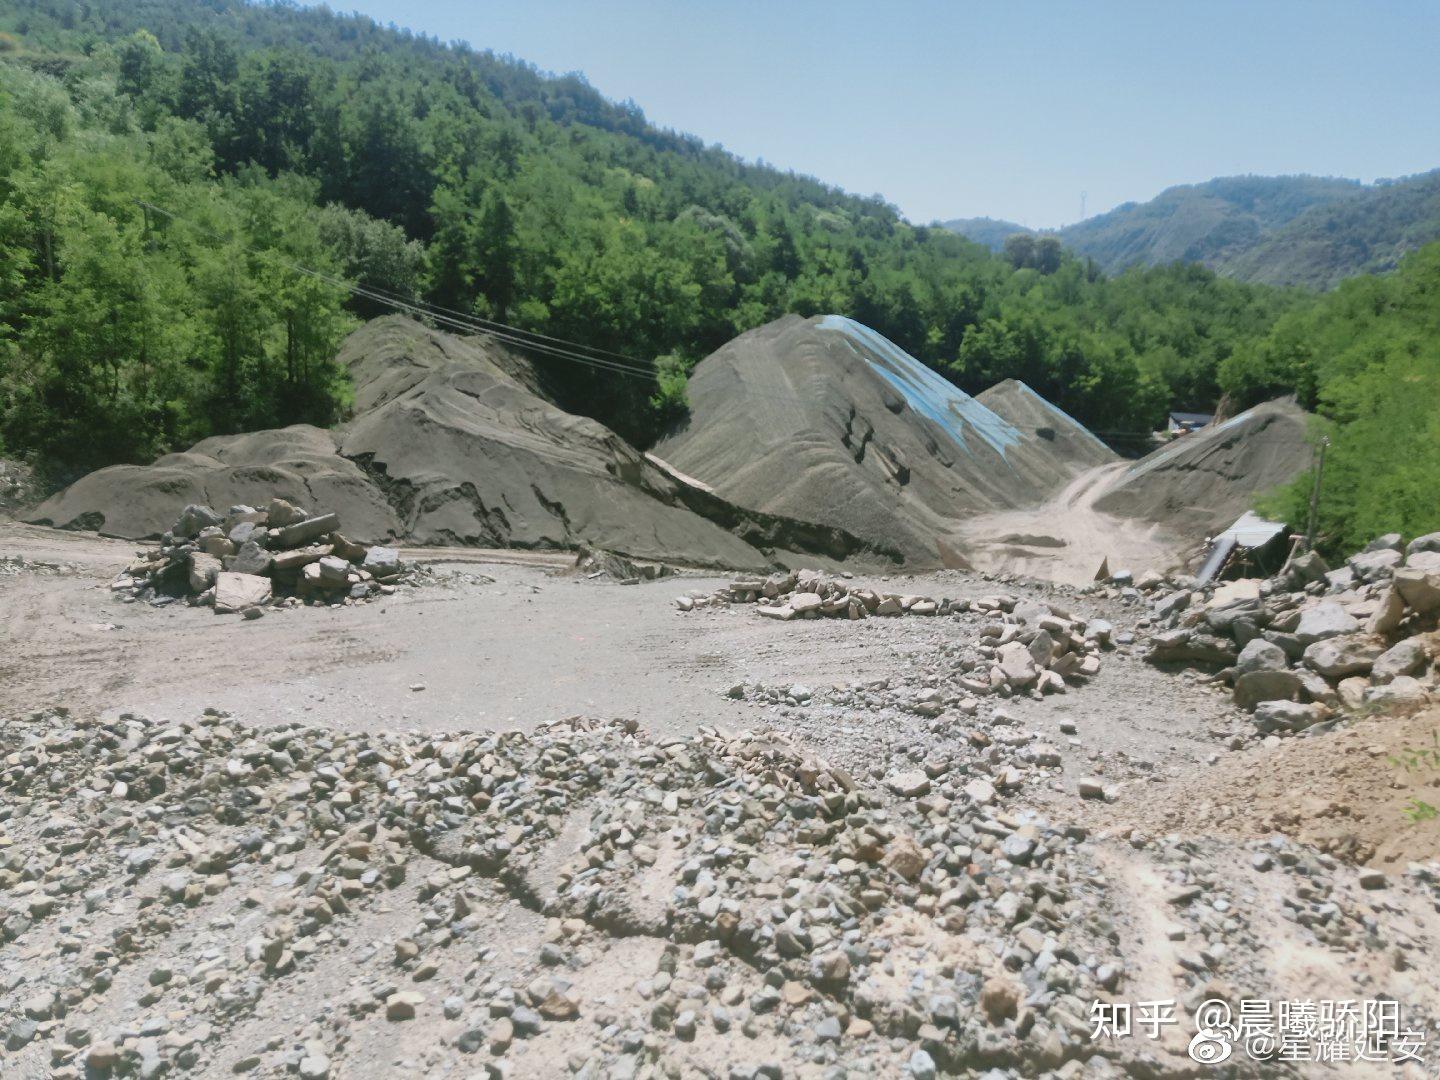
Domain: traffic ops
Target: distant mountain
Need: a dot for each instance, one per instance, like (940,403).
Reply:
(1329,243)
(1282,230)
(983,230)
(1207,223)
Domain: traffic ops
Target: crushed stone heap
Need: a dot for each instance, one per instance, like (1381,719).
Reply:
(471,454)
(248,559)
(205,897)
(1305,647)
(1200,483)
(825,420)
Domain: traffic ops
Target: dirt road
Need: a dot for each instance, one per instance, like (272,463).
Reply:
(1066,539)
(506,645)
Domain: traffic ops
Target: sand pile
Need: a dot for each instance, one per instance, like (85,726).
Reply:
(825,420)
(1200,483)
(299,464)
(469,455)
(452,443)
(1068,440)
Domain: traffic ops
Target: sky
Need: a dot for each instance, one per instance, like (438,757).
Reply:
(1008,109)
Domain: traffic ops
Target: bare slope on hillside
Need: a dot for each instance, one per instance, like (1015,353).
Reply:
(825,420)
(453,444)
(1202,482)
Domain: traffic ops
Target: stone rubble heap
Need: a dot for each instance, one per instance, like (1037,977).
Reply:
(247,559)
(1027,646)
(597,562)
(1305,646)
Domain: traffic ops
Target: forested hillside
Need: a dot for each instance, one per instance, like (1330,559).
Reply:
(1281,230)
(174,175)
(531,199)
(1367,357)
(1206,223)
(992,232)
(1332,242)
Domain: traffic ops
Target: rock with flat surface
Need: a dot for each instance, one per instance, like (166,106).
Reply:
(1406,657)
(236,592)
(304,532)
(1257,686)
(1419,587)
(911,785)
(1325,620)
(203,571)
(1337,657)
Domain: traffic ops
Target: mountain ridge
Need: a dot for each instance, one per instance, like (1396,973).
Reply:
(1311,231)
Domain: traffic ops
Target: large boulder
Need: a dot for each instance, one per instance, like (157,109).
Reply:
(1428,542)
(1387,542)
(1324,620)
(1389,612)
(1257,686)
(1188,646)
(1406,657)
(383,562)
(1404,693)
(1418,586)
(1373,565)
(1261,655)
(251,559)
(1337,657)
(1287,715)
(204,569)
(236,592)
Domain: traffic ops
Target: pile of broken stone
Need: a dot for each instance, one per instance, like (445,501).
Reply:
(1304,647)
(809,594)
(1025,646)
(179,896)
(249,558)
(220,863)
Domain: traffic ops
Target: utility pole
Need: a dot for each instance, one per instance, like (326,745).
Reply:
(1082,206)
(1315,492)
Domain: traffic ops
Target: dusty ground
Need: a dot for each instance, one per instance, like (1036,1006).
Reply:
(1066,539)
(1272,837)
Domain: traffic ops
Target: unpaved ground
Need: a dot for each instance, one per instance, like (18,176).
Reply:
(1210,874)
(1066,539)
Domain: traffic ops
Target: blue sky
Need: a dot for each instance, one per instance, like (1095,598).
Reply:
(1008,109)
